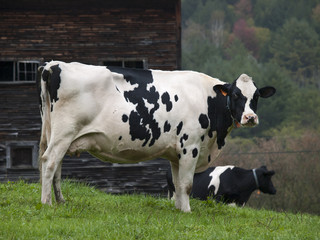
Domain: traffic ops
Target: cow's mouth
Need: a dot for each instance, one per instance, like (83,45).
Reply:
(249,124)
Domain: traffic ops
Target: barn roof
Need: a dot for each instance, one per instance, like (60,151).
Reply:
(76,4)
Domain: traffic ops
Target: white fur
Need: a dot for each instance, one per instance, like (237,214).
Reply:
(245,84)
(215,174)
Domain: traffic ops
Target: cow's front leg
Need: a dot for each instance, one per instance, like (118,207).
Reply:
(184,183)
(45,182)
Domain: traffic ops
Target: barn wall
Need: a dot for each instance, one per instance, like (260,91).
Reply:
(89,33)
(19,122)
(92,35)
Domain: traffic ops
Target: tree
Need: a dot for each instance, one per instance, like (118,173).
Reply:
(270,14)
(247,35)
(273,13)
(296,47)
(216,28)
(316,17)
(243,8)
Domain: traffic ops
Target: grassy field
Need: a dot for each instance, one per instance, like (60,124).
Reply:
(91,214)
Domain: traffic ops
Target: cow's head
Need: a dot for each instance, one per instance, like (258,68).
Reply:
(242,99)
(264,180)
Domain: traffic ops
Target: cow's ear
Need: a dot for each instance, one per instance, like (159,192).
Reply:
(266,92)
(269,173)
(223,88)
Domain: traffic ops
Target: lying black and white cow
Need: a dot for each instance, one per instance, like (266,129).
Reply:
(129,115)
(228,184)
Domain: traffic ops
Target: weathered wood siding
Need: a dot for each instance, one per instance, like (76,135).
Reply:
(91,34)
(19,121)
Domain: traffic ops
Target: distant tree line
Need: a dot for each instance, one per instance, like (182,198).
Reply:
(277,42)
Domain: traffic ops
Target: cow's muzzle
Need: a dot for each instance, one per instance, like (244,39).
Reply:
(250,120)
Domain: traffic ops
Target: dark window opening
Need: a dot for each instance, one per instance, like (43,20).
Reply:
(22,154)
(7,70)
(134,64)
(11,71)
(21,157)
(113,63)
(126,63)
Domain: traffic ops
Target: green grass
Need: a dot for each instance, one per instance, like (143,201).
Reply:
(91,214)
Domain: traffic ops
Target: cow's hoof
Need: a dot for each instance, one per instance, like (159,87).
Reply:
(61,201)
(186,209)
(46,201)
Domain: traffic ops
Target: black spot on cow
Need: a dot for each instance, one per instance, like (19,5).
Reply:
(39,74)
(53,80)
(202,138)
(137,130)
(176,98)
(219,117)
(179,127)
(143,125)
(165,98)
(194,152)
(120,138)
(181,142)
(179,155)
(209,158)
(124,118)
(183,138)
(204,121)
(184,151)
(254,101)
(166,127)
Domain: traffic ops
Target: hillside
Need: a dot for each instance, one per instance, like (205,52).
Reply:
(91,214)
(277,42)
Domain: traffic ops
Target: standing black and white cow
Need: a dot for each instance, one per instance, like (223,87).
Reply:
(129,115)
(228,184)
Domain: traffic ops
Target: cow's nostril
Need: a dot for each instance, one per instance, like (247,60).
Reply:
(251,119)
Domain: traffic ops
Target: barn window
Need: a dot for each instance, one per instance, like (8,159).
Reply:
(27,70)
(22,154)
(13,71)
(142,64)
(7,71)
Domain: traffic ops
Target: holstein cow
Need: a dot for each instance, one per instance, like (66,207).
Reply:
(128,115)
(228,184)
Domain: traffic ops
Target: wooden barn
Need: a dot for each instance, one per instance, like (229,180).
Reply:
(138,34)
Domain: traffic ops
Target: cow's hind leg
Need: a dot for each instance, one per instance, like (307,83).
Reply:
(175,173)
(51,167)
(184,184)
(57,185)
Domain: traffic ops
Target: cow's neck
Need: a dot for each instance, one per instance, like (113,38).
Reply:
(245,180)
(220,118)
(236,124)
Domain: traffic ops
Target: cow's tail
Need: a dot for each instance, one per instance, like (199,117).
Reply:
(44,105)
